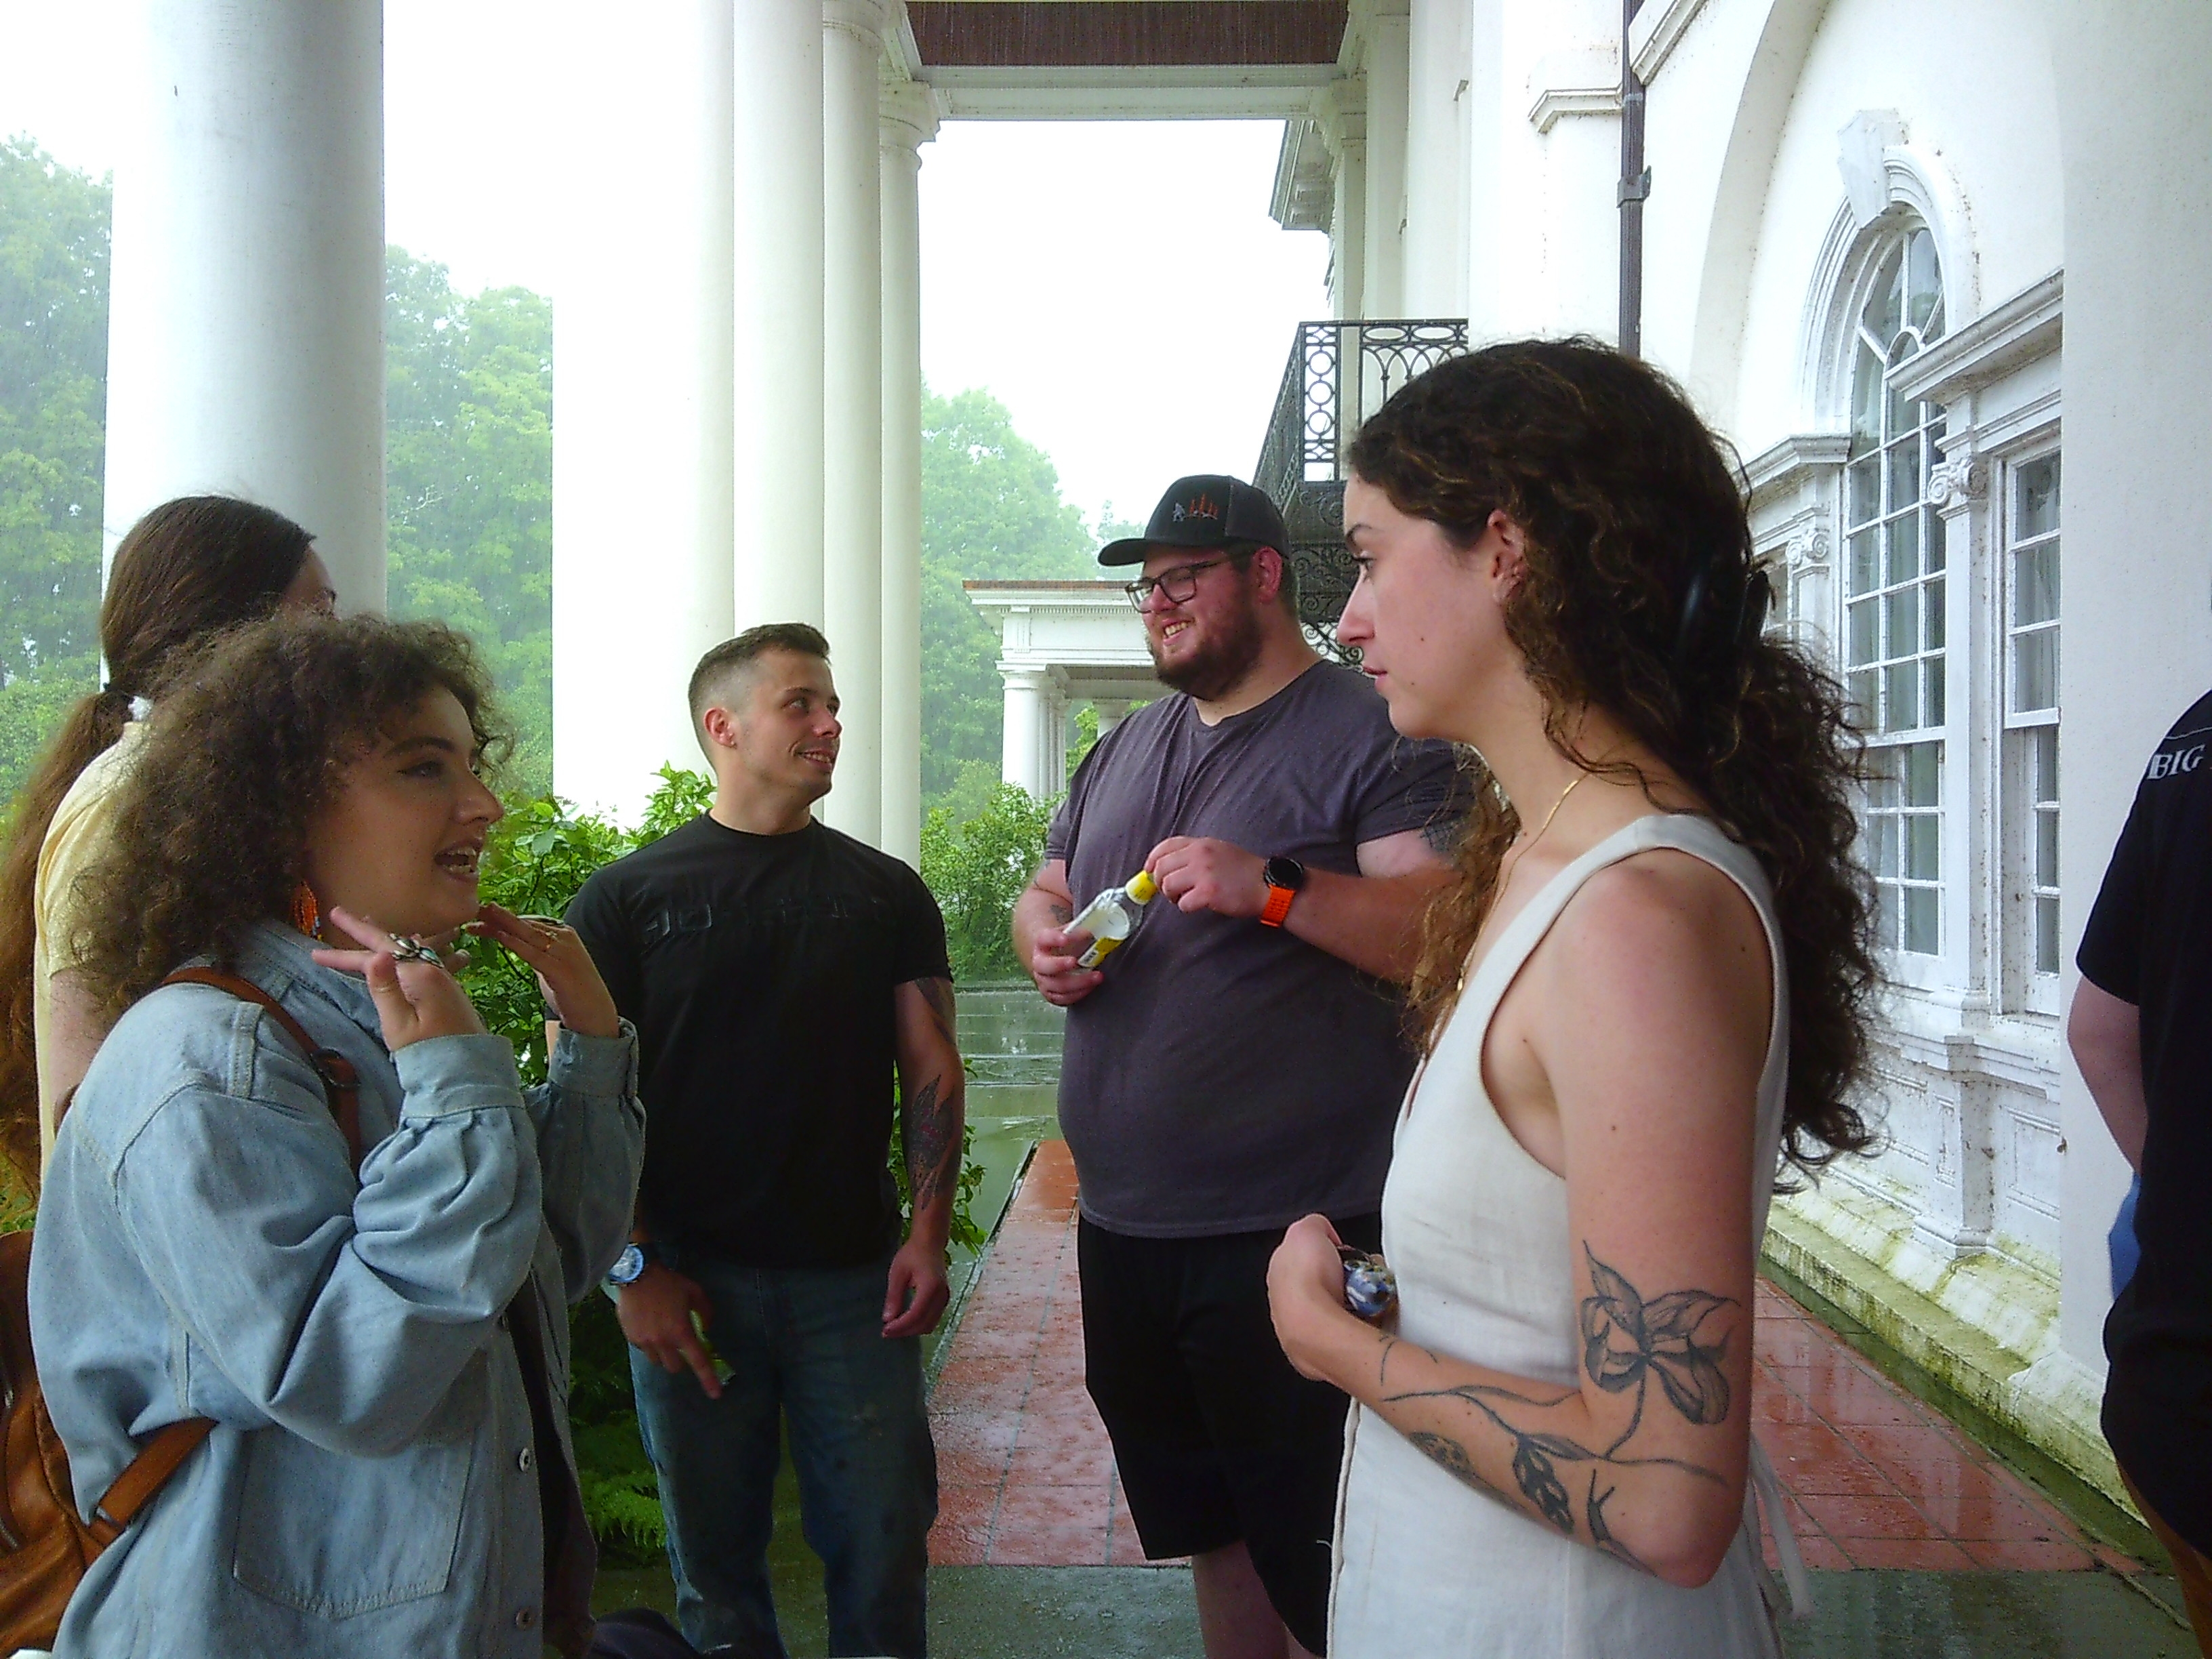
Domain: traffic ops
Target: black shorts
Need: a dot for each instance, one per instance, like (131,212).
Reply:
(1217,1439)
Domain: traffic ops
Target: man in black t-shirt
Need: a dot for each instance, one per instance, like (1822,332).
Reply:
(778,974)
(2140,1030)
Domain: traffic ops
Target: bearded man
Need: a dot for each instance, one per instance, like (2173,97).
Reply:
(1238,1063)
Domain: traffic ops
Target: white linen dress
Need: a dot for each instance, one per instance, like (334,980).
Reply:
(1426,1567)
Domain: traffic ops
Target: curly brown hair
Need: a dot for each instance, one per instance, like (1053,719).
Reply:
(1643,597)
(249,739)
(190,566)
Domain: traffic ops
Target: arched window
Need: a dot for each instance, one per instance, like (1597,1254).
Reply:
(1893,598)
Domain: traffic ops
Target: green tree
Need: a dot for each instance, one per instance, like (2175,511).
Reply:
(469,480)
(991,510)
(977,868)
(53,411)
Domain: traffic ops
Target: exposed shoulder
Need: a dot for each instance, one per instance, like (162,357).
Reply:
(1645,927)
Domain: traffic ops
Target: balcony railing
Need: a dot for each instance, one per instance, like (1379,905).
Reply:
(1340,372)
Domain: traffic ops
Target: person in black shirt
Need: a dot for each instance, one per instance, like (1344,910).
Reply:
(779,973)
(2140,1030)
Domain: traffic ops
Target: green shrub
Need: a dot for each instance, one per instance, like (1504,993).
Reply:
(977,869)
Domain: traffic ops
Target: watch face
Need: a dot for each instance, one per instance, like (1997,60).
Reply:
(627,1266)
(1284,873)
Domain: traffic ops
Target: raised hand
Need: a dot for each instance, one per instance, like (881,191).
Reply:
(566,972)
(415,996)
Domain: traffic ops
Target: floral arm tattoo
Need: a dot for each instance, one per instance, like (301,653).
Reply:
(1628,1344)
(932,1108)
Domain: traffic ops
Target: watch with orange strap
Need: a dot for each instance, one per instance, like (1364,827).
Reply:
(1285,879)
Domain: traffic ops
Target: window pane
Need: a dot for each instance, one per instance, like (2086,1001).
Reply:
(1921,846)
(2035,585)
(1934,631)
(1866,559)
(1885,306)
(1865,490)
(2046,936)
(1886,916)
(1922,774)
(2036,499)
(1905,472)
(1866,398)
(2046,848)
(1934,711)
(2046,766)
(1920,905)
(1862,698)
(1901,697)
(1931,536)
(1865,631)
(1904,547)
(1903,606)
(2035,670)
(1903,412)
(1924,286)
(1885,845)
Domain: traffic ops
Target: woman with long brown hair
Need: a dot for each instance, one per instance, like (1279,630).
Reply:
(1643,994)
(189,567)
(334,1230)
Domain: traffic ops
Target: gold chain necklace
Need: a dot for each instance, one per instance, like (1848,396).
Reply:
(1511,862)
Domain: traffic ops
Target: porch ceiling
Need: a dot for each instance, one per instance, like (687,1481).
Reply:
(1103,59)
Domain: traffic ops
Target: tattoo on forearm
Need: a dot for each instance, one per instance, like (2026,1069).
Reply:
(1626,1342)
(928,1117)
(1062,914)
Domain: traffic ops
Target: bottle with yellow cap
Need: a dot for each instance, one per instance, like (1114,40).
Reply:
(1111,917)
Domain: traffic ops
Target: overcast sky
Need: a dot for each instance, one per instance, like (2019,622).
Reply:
(1119,285)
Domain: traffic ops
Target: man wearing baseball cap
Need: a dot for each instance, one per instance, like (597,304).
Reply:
(1239,1062)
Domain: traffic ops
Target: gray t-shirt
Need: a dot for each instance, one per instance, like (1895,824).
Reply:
(1229,1076)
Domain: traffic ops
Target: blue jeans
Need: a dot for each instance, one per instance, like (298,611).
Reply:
(806,1344)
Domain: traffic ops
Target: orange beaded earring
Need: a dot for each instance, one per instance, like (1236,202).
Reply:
(307,915)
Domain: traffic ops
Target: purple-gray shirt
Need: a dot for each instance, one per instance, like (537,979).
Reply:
(1229,1076)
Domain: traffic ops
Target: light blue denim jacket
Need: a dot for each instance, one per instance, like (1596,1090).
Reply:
(204,1249)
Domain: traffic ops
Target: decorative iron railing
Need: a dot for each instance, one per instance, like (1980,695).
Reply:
(1340,372)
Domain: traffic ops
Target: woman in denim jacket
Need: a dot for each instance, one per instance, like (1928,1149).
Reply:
(384,1352)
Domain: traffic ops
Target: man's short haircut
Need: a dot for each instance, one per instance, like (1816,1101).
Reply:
(1287,593)
(720,667)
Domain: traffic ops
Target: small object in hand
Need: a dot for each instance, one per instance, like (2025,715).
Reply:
(409,948)
(1370,1289)
(721,1367)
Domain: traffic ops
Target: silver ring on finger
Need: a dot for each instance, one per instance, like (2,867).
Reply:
(409,948)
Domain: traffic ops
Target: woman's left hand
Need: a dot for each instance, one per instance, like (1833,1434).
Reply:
(1305,1291)
(566,972)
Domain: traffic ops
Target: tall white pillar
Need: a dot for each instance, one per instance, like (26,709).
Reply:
(1387,32)
(246,313)
(777,343)
(1022,736)
(853,392)
(643,519)
(910,120)
(1345,125)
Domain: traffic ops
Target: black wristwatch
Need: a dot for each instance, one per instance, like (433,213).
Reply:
(629,1267)
(1284,878)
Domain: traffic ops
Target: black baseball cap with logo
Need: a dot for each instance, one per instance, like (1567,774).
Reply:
(1207,510)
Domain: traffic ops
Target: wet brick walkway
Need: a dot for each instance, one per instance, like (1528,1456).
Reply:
(1875,1478)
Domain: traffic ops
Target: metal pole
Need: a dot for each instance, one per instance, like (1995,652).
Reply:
(1635,187)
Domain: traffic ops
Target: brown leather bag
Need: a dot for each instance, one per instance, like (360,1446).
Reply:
(44,1545)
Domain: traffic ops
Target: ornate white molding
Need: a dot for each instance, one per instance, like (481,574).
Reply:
(1658,29)
(1785,464)
(908,113)
(2029,326)
(1954,486)
(1554,103)
(1583,81)
(1810,547)
(866,21)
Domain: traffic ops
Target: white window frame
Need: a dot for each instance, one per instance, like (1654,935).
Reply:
(2027,986)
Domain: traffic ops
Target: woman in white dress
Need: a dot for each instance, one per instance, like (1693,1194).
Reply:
(1643,996)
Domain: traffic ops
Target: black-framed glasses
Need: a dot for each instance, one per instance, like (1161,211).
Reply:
(1180,584)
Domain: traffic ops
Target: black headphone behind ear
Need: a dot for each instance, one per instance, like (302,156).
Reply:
(1753,599)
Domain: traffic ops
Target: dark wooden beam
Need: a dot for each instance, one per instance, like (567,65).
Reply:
(1133,34)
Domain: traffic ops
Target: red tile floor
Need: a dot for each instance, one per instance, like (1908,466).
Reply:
(1873,1478)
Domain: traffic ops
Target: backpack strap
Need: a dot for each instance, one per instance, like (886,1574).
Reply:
(341,1082)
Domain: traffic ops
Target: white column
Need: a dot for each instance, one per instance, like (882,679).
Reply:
(853,393)
(1438,63)
(777,344)
(910,120)
(642,576)
(1053,762)
(1022,740)
(1383,286)
(1345,125)
(246,313)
